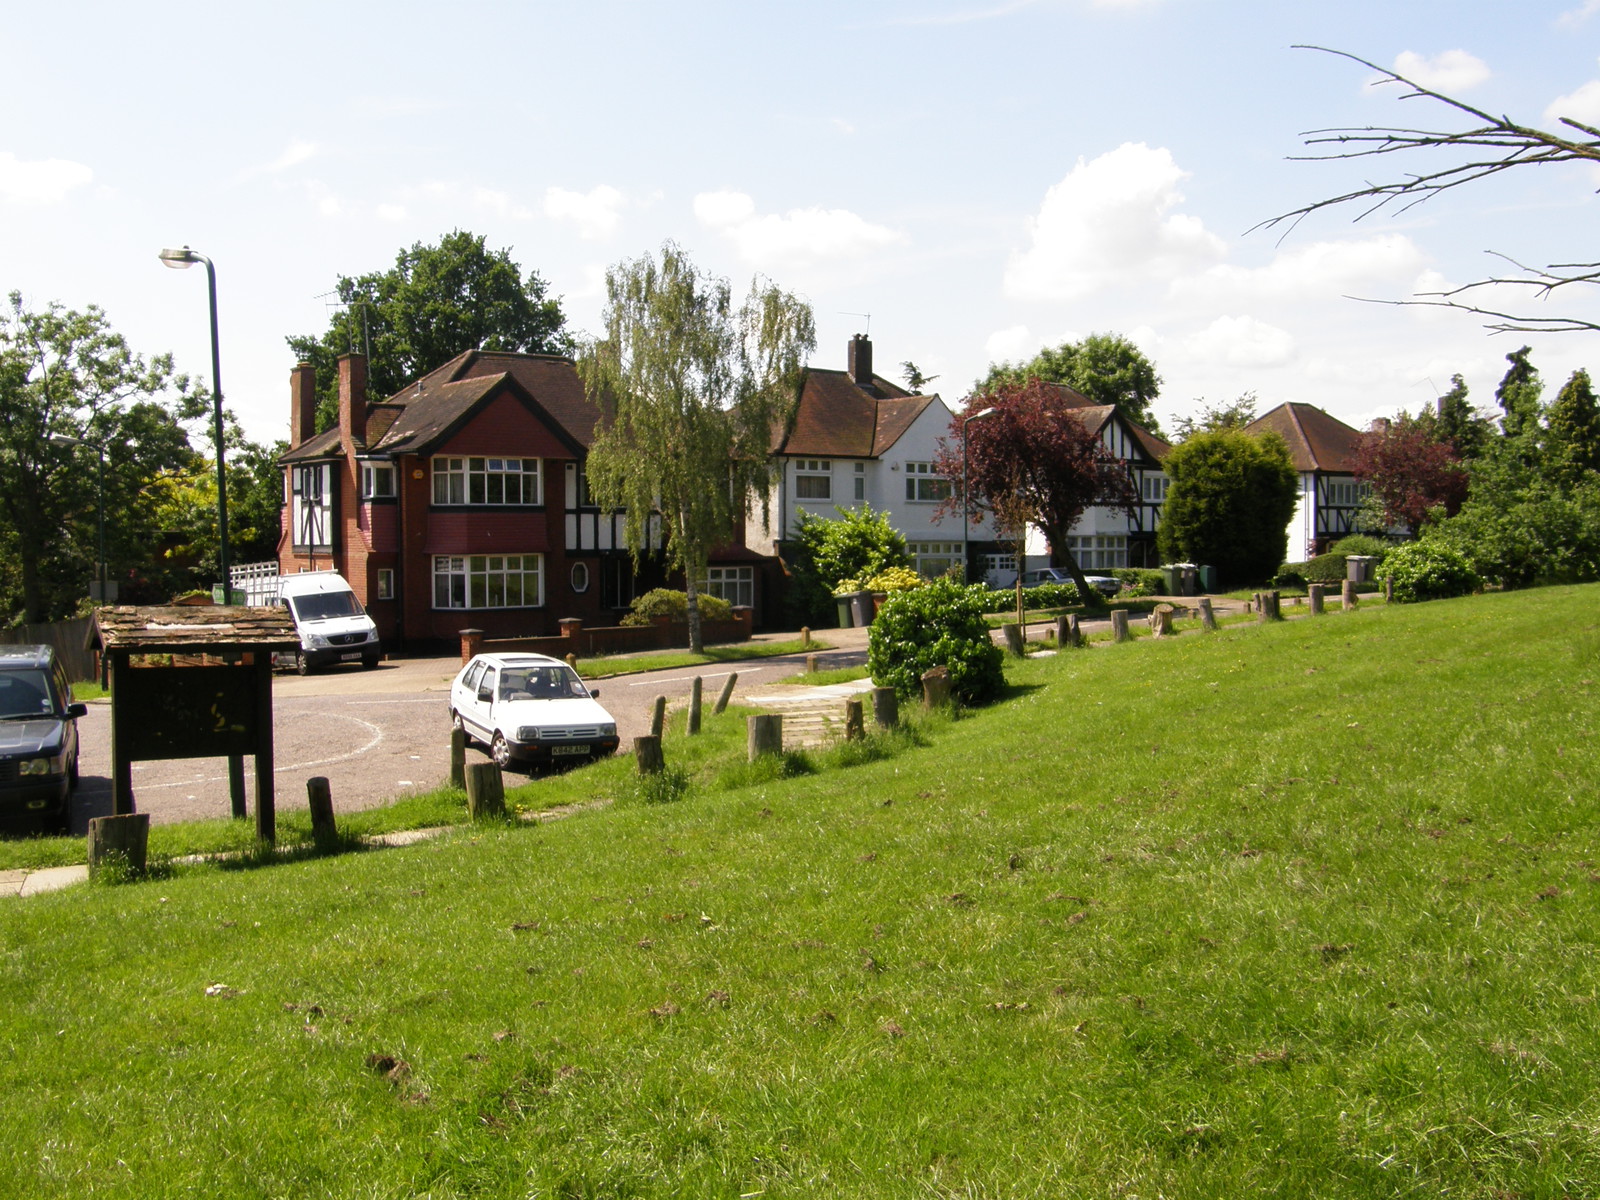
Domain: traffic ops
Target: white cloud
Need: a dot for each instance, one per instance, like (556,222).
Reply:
(330,206)
(797,237)
(293,154)
(391,212)
(1009,345)
(1108,221)
(1315,271)
(1577,16)
(595,212)
(1449,71)
(1241,342)
(42,182)
(485,199)
(1582,105)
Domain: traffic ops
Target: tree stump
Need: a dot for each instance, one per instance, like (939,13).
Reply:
(486,792)
(1208,619)
(1314,593)
(765,734)
(658,716)
(726,694)
(120,843)
(855,726)
(458,758)
(1161,620)
(1119,624)
(319,798)
(1347,595)
(1270,602)
(1066,632)
(1014,640)
(936,687)
(885,707)
(647,755)
(696,691)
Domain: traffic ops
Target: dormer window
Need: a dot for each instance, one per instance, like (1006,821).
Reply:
(377,481)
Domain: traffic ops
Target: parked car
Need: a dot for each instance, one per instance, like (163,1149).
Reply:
(530,708)
(38,735)
(332,625)
(1100,583)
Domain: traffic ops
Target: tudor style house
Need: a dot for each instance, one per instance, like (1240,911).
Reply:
(1322,448)
(461,502)
(856,438)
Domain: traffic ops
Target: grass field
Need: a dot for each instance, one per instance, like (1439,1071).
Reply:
(1302,910)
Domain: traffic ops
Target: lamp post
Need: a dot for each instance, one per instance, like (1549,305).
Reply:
(182,260)
(62,439)
(966,499)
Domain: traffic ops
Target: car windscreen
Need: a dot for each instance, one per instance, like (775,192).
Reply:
(24,694)
(540,683)
(319,606)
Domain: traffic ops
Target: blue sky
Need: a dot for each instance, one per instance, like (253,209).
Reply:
(982,177)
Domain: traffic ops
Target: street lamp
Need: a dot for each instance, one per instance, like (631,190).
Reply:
(62,439)
(182,260)
(966,499)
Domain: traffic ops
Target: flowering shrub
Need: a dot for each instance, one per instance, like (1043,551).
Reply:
(938,625)
(665,602)
(1429,570)
(894,579)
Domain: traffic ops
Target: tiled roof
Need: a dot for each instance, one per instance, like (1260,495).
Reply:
(837,419)
(551,380)
(324,445)
(1096,416)
(1317,441)
(173,627)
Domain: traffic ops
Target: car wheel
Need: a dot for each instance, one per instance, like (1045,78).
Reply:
(369,662)
(72,774)
(500,751)
(457,723)
(301,665)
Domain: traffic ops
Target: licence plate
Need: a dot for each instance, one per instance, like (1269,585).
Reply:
(569,749)
(353,655)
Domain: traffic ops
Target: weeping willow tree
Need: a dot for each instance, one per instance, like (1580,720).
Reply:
(692,388)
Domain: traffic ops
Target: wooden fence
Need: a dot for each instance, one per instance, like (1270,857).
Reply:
(70,639)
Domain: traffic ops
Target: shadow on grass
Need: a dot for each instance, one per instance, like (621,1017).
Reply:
(264,854)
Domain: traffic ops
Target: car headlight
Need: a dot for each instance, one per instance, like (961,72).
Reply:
(528,733)
(317,641)
(608,729)
(42,766)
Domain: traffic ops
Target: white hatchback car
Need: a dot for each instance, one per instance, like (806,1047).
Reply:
(530,708)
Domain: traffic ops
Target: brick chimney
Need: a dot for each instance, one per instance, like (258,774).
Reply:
(353,399)
(1379,425)
(302,403)
(861,360)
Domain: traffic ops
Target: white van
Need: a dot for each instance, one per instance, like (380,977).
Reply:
(333,626)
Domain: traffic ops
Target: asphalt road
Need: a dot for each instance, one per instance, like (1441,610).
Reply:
(375,735)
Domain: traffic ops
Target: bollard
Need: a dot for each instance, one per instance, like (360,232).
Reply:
(1013,636)
(1119,624)
(319,798)
(696,690)
(855,726)
(658,716)
(486,792)
(1161,620)
(572,660)
(1388,589)
(805,638)
(1347,595)
(765,735)
(1208,619)
(726,694)
(458,758)
(811,664)
(647,755)
(885,707)
(936,687)
(1314,594)
(121,841)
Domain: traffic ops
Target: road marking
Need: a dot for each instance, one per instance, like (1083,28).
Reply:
(377,736)
(691,678)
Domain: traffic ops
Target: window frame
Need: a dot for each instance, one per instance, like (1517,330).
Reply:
(460,581)
(924,485)
(371,472)
(813,473)
(454,477)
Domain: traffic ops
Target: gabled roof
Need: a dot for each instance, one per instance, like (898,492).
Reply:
(1095,417)
(1317,441)
(551,380)
(836,418)
(324,445)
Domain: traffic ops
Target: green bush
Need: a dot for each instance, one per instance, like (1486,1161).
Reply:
(1139,581)
(1429,570)
(1324,568)
(1361,543)
(858,544)
(940,625)
(1288,577)
(1045,595)
(664,602)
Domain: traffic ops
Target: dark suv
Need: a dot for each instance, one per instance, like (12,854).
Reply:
(38,735)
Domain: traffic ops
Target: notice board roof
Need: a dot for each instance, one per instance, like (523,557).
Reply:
(154,629)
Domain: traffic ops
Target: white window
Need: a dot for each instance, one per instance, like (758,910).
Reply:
(861,482)
(924,484)
(385,583)
(999,566)
(487,481)
(934,559)
(488,580)
(311,518)
(736,585)
(377,481)
(1153,488)
(813,479)
(1344,495)
(580,577)
(1100,551)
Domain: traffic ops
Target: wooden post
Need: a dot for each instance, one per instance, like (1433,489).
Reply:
(811,664)
(572,660)
(319,798)
(696,691)
(1347,595)
(458,758)
(1161,620)
(1013,635)
(1119,624)
(936,687)
(1314,593)
(122,841)
(765,734)
(236,786)
(486,792)
(855,725)
(726,694)
(1208,619)
(1388,589)
(266,777)
(805,638)
(1271,602)
(885,707)
(647,755)
(658,716)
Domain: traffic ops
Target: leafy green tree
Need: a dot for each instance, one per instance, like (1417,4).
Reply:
(71,390)
(1229,504)
(1458,424)
(691,388)
(434,303)
(1572,431)
(1518,395)
(857,544)
(915,379)
(1232,414)
(1105,367)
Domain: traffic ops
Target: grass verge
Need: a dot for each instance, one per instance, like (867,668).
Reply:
(607,665)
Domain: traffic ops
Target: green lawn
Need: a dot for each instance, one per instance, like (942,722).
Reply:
(606,666)
(1309,909)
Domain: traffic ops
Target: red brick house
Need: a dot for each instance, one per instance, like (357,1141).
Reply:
(460,502)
